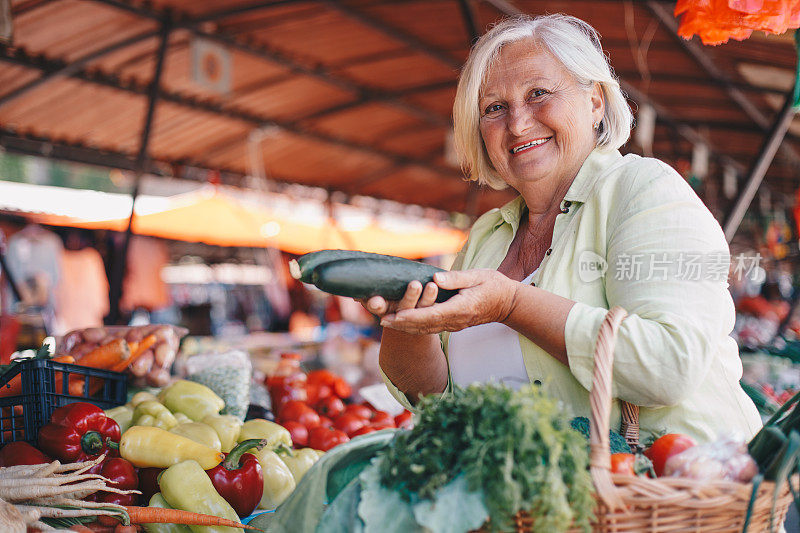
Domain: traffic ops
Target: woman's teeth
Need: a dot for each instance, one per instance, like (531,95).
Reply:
(525,146)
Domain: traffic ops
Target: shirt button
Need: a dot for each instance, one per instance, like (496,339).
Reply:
(565,206)
(537,382)
(549,251)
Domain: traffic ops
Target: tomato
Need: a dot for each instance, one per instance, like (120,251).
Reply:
(359,410)
(384,424)
(381,416)
(330,406)
(363,431)
(623,463)
(317,392)
(324,439)
(667,446)
(403,420)
(298,432)
(341,388)
(349,422)
(298,411)
(325,422)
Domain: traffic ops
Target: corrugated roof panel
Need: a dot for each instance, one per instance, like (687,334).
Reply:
(399,73)
(327,36)
(366,123)
(419,142)
(292,99)
(73,28)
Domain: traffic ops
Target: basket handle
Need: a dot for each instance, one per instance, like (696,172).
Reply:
(600,400)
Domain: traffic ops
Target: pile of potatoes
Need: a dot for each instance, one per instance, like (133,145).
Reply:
(152,368)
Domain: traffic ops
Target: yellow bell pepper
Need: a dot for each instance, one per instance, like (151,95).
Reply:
(158,501)
(142,396)
(192,399)
(299,461)
(198,432)
(151,413)
(227,427)
(122,415)
(151,446)
(278,479)
(273,433)
(181,418)
(186,486)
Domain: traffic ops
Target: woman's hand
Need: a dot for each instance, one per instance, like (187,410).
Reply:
(415,296)
(484,296)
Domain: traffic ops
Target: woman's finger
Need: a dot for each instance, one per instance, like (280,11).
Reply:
(377,306)
(429,294)
(411,297)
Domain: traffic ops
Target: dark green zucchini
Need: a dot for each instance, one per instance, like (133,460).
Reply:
(305,264)
(362,277)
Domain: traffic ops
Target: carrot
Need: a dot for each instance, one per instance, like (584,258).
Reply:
(107,355)
(158,515)
(141,347)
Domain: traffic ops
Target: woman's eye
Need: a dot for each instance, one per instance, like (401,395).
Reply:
(538,92)
(492,109)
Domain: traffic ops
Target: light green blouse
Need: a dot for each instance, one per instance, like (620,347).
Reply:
(633,233)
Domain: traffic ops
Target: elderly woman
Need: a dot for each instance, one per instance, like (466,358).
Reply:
(539,110)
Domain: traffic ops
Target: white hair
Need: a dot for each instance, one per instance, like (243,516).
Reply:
(575,44)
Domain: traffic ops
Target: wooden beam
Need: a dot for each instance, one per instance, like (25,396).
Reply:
(73,66)
(759,170)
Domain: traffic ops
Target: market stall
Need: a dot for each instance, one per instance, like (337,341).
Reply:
(320,140)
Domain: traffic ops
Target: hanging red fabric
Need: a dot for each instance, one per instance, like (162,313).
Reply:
(716,21)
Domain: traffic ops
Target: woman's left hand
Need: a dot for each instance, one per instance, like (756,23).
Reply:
(484,296)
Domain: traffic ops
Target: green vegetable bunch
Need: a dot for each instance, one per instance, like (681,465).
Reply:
(514,446)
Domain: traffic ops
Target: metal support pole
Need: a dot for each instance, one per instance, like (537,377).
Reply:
(765,157)
(120,261)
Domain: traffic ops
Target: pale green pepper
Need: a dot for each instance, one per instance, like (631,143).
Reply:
(273,433)
(227,427)
(299,461)
(192,399)
(158,501)
(181,418)
(198,432)
(278,479)
(122,415)
(186,486)
(142,396)
(151,413)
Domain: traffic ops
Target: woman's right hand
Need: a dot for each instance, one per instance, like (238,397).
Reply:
(414,297)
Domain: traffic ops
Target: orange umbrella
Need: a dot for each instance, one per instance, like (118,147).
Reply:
(213,217)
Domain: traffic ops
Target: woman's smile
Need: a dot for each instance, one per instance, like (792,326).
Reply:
(525,146)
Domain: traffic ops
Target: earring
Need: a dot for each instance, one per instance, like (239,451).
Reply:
(595,125)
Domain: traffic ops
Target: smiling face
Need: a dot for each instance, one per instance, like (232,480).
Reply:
(536,119)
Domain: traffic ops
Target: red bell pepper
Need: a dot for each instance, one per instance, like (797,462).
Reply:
(122,475)
(21,453)
(239,479)
(79,432)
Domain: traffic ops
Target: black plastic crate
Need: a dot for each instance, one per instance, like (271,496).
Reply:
(45,387)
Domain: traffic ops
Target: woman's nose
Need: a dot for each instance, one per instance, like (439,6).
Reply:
(520,120)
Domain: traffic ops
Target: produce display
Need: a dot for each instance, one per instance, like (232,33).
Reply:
(361,274)
(169,450)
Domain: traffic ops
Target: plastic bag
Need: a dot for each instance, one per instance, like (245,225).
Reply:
(227,373)
(722,459)
(151,368)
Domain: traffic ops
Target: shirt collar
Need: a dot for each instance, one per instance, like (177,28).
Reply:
(582,185)
(594,166)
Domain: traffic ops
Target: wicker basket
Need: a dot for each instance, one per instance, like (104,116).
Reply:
(642,505)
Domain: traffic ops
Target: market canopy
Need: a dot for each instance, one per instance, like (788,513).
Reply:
(356,96)
(213,216)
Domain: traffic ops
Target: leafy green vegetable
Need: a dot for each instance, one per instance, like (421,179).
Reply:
(617,443)
(455,509)
(515,447)
(383,510)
